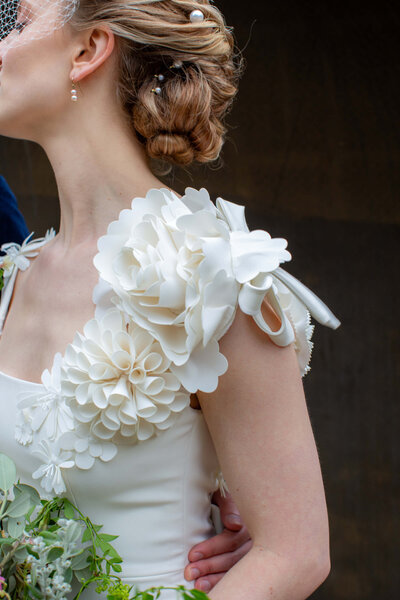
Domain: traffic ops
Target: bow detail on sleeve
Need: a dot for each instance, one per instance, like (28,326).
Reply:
(255,263)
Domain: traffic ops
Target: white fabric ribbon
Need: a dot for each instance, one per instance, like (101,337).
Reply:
(17,259)
(261,285)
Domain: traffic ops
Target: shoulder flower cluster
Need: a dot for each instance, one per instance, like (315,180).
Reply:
(173,272)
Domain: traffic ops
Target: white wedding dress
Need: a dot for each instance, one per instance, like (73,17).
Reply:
(110,426)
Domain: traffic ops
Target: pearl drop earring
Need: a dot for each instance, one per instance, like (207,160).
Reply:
(74,93)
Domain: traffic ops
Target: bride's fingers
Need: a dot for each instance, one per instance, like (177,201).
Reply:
(229,512)
(227,541)
(205,584)
(216,565)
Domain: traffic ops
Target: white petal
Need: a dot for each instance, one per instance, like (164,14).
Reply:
(84,461)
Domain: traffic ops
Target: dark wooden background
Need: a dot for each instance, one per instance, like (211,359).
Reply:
(313,152)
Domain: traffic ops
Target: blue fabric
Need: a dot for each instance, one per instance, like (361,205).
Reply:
(12,224)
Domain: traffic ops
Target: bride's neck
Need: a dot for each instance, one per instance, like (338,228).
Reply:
(98,170)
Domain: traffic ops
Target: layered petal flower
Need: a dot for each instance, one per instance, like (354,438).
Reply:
(116,379)
(177,267)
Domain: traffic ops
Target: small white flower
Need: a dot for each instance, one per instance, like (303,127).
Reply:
(44,409)
(86,448)
(18,255)
(23,427)
(50,471)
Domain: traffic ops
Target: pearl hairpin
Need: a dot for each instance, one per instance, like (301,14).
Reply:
(196,16)
(157,90)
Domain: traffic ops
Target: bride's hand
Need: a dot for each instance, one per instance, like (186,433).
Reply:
(211,559)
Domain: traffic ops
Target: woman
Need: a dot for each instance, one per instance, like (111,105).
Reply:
(114,422)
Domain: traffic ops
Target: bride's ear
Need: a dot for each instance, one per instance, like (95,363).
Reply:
(93,49)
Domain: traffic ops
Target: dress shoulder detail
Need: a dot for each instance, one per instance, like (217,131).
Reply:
(16,257)
(172,273)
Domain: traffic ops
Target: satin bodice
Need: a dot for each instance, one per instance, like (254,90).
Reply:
(155,496)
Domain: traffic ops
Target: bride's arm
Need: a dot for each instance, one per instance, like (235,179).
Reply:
(259,422)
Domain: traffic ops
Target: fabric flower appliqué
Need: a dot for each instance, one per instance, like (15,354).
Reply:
(177,267)
(53,460)
(117,379)
(44,409)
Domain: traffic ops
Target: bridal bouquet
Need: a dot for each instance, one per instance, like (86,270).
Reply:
(47,544)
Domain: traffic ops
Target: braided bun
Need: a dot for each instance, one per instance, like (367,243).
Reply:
(184,123)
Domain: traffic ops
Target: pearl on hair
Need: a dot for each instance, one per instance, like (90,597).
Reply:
(196,16)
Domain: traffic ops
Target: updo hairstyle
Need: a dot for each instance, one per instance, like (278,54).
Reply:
(183,124)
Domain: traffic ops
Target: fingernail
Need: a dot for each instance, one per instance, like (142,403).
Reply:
(194,573)
(205,586)
(234,519)
(197,556)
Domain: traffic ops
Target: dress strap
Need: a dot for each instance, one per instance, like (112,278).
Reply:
(17,258)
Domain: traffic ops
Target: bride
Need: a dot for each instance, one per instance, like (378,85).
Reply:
(154,340)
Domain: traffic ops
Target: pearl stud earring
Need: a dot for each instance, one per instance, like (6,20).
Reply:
(196,16)
(74,93)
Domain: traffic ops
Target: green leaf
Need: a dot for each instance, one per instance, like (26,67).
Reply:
(79,561)
(68,575)
(21,554)
(107,537)
(8,473)
(15,527)
(84,574)
(69,510)
(105,546)
(7,540)
(28,489)
(55,553)
(48,536)
(198,595)
(116,568)
(19,506)
(11,584)
(35,592)
(87,535)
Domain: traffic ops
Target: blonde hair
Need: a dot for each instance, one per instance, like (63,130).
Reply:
(184,124)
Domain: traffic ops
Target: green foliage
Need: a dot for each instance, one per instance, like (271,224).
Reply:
(45,544)
(1,278)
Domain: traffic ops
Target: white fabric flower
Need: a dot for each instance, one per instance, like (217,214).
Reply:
(86,448)
(53,462)
(44,408)
(116,378)
(17,257)
(23,431)
(177,268)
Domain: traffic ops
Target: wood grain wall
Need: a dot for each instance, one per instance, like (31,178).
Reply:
(313,152)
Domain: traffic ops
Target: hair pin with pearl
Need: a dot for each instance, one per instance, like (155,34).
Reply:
(157,90)
(196,16)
